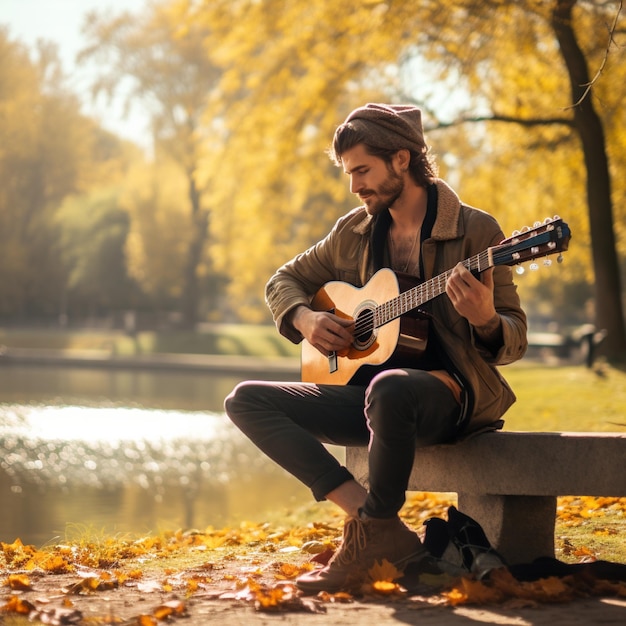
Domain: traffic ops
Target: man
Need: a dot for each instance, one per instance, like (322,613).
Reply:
(414,223)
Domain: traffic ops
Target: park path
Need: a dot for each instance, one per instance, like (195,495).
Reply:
(584,612)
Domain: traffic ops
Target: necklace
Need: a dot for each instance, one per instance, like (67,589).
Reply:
(402,256)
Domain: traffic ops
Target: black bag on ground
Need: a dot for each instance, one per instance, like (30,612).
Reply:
(460,545)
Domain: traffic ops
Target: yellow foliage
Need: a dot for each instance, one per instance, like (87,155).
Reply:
(292,70)
(161,227)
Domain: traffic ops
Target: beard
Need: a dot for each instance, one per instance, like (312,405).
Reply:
(389,191)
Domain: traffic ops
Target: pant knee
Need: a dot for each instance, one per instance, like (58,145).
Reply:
(387,401)
(239,401)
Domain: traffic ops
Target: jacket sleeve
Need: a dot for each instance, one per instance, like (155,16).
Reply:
(514,324)
(341,255)
(480,232)
(508,307)
(296,282)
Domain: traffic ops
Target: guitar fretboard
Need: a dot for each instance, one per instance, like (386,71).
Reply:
(422,293)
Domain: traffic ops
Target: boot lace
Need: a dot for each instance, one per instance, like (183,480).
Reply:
(354,540)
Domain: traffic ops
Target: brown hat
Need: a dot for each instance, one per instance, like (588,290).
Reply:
(394,126)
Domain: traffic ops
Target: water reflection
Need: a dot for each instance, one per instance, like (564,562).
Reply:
(100,465)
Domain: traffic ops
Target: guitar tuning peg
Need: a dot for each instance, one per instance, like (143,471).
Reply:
(536,224)
(559,259)
(548,220)
(520,269)
(525,229)
(533,267)
(547,262)
(556,217)
(515,233)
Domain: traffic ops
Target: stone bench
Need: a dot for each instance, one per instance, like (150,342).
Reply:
(509,481)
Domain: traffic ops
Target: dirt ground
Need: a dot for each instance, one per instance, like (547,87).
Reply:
(220,595)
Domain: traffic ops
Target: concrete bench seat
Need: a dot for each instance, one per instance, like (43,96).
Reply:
(509,481)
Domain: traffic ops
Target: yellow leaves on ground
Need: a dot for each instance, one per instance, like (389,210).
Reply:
(174,608)
(575,510)
(16,554)
(19,582)
(422,505)
(104,582)
(18,605)
(502,587)
(382,580)
(48,615)
(240,564)
(282,597)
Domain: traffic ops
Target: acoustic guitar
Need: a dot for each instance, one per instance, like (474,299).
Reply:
(386,314)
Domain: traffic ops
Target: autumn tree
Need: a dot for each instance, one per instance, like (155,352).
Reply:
(93,231)
(158,230)
(540,34)
(171,78)
(513,126)
(47,148)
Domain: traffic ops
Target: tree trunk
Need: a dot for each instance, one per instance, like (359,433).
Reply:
(609,312)
(200,222)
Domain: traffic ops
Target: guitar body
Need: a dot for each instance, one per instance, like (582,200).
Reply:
(401,336)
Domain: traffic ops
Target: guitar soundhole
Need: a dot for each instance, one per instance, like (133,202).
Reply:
(365,334)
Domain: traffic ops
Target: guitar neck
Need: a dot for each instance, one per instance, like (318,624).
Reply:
(543,240)
(420,294)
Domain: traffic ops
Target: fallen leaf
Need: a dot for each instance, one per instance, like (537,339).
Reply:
(383,571)
(341,597)
(386,588)
(173,607)
(16,604)
(287,571)
(91,584)
(470,591)
(19,582)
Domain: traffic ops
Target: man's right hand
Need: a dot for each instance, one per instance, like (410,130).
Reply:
(325,331)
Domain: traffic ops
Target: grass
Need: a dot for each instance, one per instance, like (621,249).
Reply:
(227,339)
(567,398)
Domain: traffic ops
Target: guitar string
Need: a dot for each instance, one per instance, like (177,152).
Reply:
(390,310)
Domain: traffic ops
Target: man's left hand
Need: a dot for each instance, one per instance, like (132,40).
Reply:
(472,298)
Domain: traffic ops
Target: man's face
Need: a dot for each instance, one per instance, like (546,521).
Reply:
(376,184)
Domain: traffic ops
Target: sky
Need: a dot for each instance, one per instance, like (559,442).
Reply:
(60,21)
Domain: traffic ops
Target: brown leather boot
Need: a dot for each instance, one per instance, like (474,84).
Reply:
(365,542)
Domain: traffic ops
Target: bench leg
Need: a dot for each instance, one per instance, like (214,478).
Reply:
(521,528)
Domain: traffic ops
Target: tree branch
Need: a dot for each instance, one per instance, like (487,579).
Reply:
(528,122)
(612,31)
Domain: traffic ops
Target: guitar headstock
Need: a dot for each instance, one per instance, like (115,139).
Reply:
(544,239)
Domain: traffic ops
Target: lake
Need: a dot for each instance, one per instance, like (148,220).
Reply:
(87,451)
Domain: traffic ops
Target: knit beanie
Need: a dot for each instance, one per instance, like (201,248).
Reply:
(394,126)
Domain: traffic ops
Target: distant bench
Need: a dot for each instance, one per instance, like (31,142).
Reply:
(581,344)
(509,481)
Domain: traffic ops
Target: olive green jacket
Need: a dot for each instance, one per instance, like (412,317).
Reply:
(458,233)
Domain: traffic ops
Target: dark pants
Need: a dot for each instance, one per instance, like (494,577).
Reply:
(399,410)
